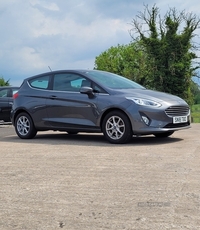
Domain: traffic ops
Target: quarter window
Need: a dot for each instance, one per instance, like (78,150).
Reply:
(40,82)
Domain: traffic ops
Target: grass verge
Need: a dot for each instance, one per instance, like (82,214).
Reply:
(195,113)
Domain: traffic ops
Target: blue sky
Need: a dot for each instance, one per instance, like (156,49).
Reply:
(66,34)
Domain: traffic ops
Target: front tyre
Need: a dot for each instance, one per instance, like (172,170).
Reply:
(24,126)
(116,128)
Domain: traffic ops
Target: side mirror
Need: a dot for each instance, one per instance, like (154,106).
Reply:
(86,90)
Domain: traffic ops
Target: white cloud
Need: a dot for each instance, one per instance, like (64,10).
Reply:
(36,34)
(45,5)
(32,59)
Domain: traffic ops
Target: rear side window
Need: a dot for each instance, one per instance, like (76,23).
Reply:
(14,91)
(40,82)
(4,93)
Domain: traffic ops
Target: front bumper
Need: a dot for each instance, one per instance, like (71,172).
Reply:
(159,119)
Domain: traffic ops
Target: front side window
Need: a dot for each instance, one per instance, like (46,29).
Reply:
(69,82)
(40,82)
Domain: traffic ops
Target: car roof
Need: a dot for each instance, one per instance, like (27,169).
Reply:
(61,71)
(9,87)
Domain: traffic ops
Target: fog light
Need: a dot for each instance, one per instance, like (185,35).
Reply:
(146,120)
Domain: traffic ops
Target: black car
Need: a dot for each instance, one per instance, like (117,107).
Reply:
(95,101)
(6,100)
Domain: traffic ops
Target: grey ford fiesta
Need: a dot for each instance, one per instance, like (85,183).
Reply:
(95,101)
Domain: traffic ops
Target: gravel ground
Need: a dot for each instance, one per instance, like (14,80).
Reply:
(80,182)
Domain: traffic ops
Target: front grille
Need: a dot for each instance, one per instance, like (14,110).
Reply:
(176,111)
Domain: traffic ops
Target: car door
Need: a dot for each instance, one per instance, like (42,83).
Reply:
(67,108)
(36,95)
(5,107)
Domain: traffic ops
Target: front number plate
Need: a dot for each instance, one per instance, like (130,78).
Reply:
(181,119)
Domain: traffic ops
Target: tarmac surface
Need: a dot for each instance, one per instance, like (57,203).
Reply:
(80,182)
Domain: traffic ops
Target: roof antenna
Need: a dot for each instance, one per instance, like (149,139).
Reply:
(50,68)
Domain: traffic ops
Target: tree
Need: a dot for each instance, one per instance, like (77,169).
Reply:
(168,46)
(126,60)
(3,82)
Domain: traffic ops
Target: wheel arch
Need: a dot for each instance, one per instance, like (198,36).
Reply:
(20,111)
(110,110)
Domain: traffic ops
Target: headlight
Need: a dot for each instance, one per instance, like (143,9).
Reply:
(144,102)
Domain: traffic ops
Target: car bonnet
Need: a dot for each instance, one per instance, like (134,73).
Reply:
(151,95)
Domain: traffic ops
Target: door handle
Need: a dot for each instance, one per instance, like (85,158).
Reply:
(53,97)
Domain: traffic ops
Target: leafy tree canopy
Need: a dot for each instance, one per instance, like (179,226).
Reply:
(126,60)
(169,45)
(3,82)
(162,55)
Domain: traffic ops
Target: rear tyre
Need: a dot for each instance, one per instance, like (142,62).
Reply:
(72,132)
(6,120)
(163,135)
(24,126)
(116,128)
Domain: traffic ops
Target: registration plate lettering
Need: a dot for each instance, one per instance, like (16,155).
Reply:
(181,119)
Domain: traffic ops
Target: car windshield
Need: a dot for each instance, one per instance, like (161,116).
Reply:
(113,81)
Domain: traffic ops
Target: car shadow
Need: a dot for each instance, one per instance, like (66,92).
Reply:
(86,139)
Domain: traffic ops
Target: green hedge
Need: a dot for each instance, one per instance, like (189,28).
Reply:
(195,113)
